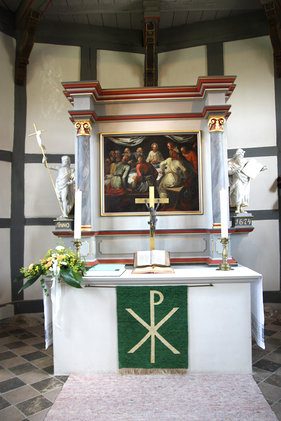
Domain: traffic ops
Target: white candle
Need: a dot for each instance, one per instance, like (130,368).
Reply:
(224,213)
(77,215)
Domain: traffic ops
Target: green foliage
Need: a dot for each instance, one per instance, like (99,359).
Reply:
(60,262)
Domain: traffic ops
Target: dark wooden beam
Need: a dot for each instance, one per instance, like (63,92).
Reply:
(26,46)
(272,12)
(151,11)
(28,16)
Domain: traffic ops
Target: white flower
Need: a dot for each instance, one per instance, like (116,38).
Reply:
(59,248)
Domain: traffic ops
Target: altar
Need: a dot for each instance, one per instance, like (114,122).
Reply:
(224,308)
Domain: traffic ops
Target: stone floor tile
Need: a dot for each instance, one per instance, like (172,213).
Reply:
(267,365)
(34,356)
(47,384)
(53,394)
(274,356)
(270,392)
(7,355)
(268,332)
(34,376)
(22,368)
(35,340)
(260,375)
(49,369)
(40,345)
(25,335)
(10,384)
(3,348)
(13,362)
(21,394)
(4,403)
(40,416)
(15,344)
(274,379)
(34,405)
(276,407)
(62,378)
(5,374)
(26,349)
(11,414)
(43,362)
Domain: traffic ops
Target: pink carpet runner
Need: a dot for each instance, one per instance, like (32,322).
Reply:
(160,397)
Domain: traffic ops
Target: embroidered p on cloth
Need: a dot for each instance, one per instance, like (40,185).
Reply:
(152,329)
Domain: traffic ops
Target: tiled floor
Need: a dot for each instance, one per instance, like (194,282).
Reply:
(28,387)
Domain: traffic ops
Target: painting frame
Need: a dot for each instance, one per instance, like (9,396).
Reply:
(179,178)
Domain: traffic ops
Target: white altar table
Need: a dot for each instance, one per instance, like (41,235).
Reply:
(222,305)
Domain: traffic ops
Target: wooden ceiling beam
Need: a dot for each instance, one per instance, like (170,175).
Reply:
(272,12)
(28,16)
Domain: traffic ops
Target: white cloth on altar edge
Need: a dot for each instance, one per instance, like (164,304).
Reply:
(257,312)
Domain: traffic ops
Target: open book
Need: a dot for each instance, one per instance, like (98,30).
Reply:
(252,168)
(152,261)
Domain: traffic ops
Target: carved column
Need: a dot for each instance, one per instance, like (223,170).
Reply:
(82,163)
(218,164)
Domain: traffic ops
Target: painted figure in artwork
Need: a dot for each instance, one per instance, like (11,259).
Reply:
(240,172)
(154,156)
(174,173)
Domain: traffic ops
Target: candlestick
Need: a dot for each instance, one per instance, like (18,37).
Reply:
(224,213)
(224,264)
(78,214)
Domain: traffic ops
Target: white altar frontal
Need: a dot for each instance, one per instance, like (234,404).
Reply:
(224,309)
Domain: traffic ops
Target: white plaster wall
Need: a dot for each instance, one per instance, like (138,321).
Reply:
(252,121)
(5,274)
(49,66)
(117,69)
(40,196)
(259,251)
(263,189)
(7,54)
(5,188)
(182,67)
(37,241)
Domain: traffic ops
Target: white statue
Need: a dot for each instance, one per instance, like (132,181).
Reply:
(64,185)
(240,172)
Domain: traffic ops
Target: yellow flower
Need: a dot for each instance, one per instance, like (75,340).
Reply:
(48,264)
(61,257)
(30,266)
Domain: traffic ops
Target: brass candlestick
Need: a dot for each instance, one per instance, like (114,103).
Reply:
(224,264)
(78,244)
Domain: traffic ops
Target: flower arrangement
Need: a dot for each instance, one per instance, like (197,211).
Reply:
(60,263)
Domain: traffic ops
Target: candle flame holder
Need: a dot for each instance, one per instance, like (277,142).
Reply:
(78,244)
(224,264)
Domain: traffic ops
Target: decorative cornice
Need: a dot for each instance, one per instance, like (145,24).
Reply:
(89,114)
(224,84)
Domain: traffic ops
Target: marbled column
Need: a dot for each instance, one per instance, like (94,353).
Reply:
(82,159)
(218,164)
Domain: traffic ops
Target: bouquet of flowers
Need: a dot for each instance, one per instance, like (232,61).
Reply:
(60,263)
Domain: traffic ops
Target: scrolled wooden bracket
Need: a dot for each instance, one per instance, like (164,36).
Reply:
(26,45)
(272,13)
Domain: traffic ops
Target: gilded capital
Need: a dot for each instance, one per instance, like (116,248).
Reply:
(83,127)
(216,123)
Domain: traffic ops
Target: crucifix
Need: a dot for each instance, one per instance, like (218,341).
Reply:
(150,204)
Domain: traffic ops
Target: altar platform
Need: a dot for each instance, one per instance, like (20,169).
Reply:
(224,309)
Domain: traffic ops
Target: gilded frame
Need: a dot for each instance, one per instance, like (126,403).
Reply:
(179,178)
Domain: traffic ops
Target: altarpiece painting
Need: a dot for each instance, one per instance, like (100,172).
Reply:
(169,161)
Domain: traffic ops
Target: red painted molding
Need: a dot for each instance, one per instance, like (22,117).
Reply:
(158,232)
(224,84)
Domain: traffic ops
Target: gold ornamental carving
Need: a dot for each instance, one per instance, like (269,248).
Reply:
(83,127)
(216,123)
